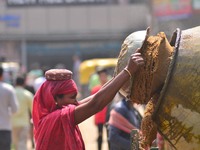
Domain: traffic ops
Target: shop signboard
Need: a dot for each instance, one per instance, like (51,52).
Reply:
(52,2)
(196,6)
(68,2)
(172,9)
(10,20)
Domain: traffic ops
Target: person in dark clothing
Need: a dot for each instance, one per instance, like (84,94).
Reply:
(123,118)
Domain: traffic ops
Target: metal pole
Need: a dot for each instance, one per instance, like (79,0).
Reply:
(24,56)
(135,139)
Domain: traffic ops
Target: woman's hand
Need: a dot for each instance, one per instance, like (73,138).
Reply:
(135,62)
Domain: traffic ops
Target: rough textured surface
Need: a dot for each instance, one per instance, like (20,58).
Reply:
(157,53)
(178,112)
(177,74)
(148,126)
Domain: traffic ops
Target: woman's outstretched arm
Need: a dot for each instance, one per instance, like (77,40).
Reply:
(106,94)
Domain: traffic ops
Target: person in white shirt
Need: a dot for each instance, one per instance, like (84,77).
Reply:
(38,81)
(8,105)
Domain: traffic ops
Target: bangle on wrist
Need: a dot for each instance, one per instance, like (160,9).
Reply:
(125,69)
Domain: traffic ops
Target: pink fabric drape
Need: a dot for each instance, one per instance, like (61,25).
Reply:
(54,129)
(118,121)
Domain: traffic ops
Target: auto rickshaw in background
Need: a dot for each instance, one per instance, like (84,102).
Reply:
(88,76)
(11,70)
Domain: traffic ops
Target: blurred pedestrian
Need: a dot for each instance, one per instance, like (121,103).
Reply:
(8,105)
(38,81)
(57,113)
(21,119)
(93,81)
(100,117)
(31,89)
(76,73)
(34,73)
(123,118)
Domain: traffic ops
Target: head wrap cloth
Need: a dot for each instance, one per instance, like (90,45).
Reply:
(44,98)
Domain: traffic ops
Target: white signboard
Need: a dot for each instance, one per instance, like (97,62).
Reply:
(52,2)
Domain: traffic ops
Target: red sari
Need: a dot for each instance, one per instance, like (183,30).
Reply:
(55,129)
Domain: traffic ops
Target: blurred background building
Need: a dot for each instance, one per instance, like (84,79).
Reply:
(51,32)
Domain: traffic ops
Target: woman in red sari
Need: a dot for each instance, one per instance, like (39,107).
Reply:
(57,113)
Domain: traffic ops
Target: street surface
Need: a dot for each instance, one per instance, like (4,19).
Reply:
(90,132)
